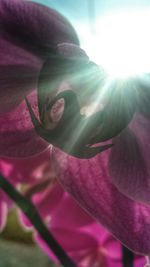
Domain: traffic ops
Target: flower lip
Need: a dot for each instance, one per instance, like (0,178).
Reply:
(73,132)
(69,141)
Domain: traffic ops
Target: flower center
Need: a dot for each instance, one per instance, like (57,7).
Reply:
(62,120)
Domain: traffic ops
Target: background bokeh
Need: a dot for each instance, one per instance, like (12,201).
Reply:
(17,248)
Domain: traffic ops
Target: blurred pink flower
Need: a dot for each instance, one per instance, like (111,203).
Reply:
(82,238)
(20,173)
(5,203)
(88,243)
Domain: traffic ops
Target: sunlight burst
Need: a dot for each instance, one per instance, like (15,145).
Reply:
(121,43)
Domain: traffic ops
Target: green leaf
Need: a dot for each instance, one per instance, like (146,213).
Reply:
(20,255)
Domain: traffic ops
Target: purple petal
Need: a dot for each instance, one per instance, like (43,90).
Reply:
(72,51)
(129,163)
(89,183)
(34,26)
(17,135)
(19,71)
(28,31)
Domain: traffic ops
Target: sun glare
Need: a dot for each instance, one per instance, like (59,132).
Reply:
(121,42)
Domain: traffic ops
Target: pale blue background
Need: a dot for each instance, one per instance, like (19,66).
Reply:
(77,9)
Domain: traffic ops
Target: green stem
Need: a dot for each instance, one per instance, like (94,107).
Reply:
(32,214)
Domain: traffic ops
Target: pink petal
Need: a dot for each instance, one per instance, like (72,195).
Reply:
(89,183)
(6,204)
(26,170)
(3,211)
(129,160)
(48,200)
(139,261)
(111,246)
(77,244)
(69,215)
(84,247)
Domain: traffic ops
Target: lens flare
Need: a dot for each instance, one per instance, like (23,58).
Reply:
(121,43)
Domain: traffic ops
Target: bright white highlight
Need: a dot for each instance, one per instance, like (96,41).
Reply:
(121,43)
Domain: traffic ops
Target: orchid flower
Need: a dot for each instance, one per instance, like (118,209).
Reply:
(39,52)
(87,243)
